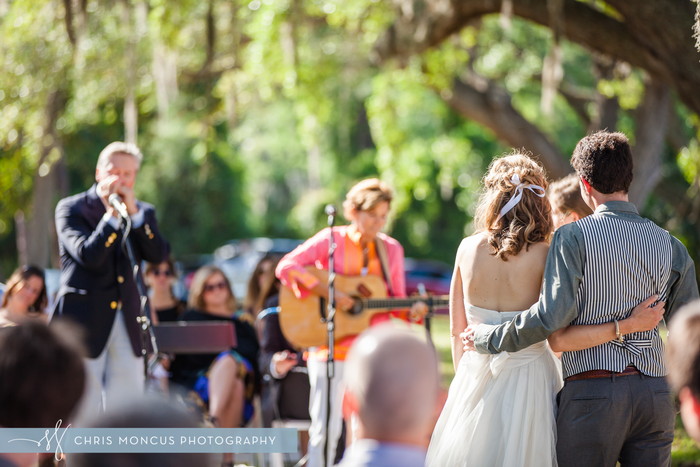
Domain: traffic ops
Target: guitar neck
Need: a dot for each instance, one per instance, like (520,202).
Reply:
(392,302)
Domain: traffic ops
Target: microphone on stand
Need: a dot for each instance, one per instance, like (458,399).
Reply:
(330,212)
(116,202)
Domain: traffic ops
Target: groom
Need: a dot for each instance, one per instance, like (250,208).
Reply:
(615,404)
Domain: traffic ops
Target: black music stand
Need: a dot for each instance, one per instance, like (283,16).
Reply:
(193,337)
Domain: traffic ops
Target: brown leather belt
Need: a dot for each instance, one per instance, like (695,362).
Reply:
(630,370)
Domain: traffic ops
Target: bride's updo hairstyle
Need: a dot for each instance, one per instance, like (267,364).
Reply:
(510,227)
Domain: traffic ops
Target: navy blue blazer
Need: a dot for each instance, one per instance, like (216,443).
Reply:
(96,277)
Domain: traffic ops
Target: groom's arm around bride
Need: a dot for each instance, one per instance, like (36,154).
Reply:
(598,270)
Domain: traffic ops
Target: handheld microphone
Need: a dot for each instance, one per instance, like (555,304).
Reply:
(116,202)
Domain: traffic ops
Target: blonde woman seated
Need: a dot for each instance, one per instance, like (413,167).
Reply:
(500,408)
(25,297)
(225,382)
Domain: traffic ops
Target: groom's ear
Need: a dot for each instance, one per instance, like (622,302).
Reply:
(586,185)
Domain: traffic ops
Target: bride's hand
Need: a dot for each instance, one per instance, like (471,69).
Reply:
(467,337)
(644,317)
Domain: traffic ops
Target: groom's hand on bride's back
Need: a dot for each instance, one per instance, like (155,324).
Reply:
(645,316)
(467,337)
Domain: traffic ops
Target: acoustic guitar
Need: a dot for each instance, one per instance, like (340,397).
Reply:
(300,319)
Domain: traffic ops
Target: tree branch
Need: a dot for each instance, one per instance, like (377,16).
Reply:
(662,47)
(489,105)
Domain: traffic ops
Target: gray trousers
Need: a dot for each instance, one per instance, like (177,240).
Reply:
(601,421)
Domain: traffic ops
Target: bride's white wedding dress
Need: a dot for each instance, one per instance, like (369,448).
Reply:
(500,410)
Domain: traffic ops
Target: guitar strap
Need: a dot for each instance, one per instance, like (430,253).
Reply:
(384,261)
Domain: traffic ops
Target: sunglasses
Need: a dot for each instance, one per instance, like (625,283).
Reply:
(212,287)
(158,272)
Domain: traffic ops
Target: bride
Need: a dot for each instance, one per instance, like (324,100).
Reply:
(500,410)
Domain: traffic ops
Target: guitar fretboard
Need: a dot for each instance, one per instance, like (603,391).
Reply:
(369,303)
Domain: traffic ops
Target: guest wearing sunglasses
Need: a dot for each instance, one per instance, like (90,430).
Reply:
(160,279)
(225,382)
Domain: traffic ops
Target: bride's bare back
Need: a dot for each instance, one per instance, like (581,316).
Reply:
(513,212)
(481,279)
(489,282)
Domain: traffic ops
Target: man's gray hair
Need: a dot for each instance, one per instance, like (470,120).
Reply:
(119,147)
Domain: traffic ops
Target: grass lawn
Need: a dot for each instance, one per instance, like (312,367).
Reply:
(685,451)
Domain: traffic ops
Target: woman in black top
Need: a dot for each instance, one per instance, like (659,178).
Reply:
(160,279)
(225,381)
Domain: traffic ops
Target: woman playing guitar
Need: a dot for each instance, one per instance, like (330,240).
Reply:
(358,253)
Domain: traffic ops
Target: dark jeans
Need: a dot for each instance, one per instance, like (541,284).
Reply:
(602,421)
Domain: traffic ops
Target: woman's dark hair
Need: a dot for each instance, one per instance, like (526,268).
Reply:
(18,278)
(150,267)
(42,371)
(257,293)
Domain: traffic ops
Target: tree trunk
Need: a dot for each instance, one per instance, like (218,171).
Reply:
(164,69)
(607,108)
(652,121)
(131,115)
(37,236)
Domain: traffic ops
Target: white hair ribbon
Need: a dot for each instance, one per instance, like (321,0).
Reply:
(519,187)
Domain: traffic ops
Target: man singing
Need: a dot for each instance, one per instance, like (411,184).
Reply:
(98,290)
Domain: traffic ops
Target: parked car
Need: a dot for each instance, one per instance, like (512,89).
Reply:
(434,275)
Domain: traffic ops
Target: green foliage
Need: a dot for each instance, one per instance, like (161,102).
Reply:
(277,110)
(195,179)
(689,162)
(424,152)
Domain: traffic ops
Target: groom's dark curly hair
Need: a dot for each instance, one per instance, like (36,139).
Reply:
(604,160)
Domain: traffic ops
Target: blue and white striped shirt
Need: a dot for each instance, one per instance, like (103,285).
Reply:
(598,269)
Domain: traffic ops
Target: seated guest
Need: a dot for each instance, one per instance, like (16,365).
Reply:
(165,306)
(42,375)
(262,284)
(683,355)
(285,379)
(160,279)
(226,382)
(391,397)
(25,297)
(284,393)
(567,204)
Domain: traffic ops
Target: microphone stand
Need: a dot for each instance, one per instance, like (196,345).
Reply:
(145,306)
(422,291)
(330,328)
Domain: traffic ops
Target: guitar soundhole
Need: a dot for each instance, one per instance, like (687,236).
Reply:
(356,308)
